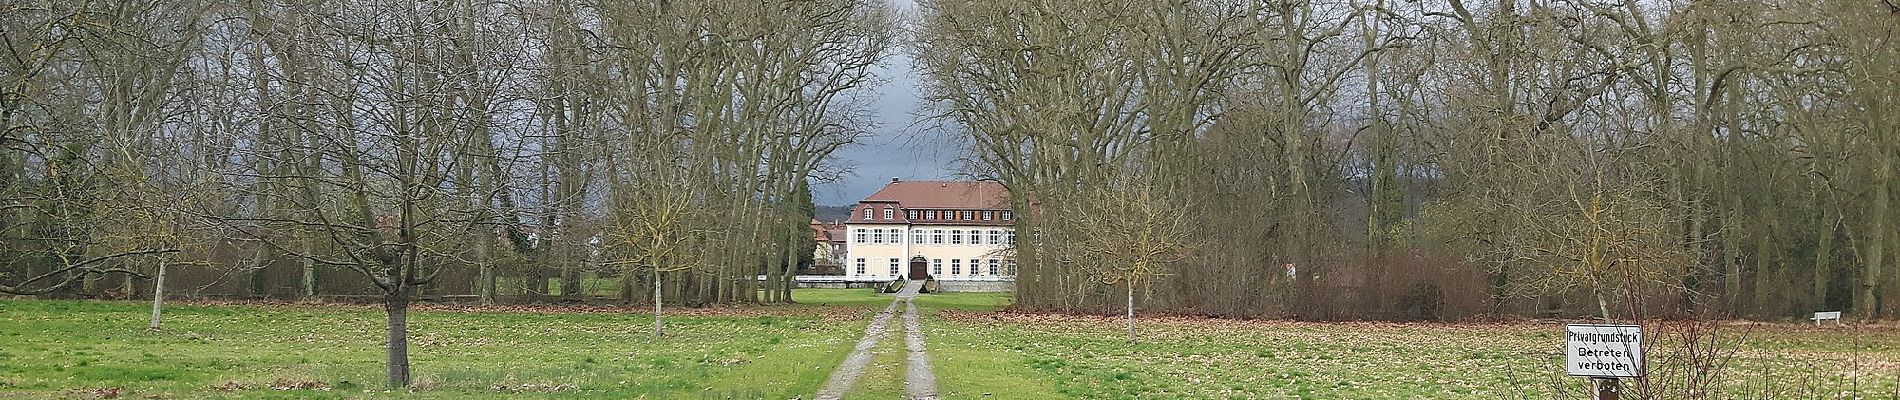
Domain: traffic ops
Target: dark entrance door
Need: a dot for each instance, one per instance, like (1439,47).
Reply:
(919,268)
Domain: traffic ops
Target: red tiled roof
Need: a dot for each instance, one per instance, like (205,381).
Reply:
(827,231)
(978,196)
(961,195)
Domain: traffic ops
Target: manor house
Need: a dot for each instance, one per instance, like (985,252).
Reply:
(948,230)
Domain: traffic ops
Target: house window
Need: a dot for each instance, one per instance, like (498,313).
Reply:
(893,267)
(1006,215)
(995,266)
(996,237)
(912,214)
(936,236)
(860,267)
(968,215)
(956,237)
(867,213)
(1010,267)
(897,236)
(956,266)
(1010,237)
(932,214)
(936,266)
(888,213)
(988,214)
(857,236)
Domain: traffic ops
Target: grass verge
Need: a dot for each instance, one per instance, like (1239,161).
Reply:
(1049,356)
(81,349)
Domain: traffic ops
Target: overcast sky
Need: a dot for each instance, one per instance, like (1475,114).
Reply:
(898,146)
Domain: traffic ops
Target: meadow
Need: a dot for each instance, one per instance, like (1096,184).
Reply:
(1062,356)
(101,349)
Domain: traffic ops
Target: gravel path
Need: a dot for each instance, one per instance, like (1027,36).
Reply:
(847,373)
(918,378)
(921,383)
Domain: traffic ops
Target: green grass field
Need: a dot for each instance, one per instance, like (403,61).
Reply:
(85,349)
(1046,356)
(92,349)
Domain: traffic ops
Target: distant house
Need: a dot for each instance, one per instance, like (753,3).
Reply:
(829,248)
(947,230)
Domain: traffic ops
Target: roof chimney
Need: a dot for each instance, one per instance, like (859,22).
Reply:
(894,179)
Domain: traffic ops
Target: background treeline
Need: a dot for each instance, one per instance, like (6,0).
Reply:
(1389,159)
(519,150)
(1338,159)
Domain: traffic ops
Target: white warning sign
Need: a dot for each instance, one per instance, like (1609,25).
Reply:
(1607,351)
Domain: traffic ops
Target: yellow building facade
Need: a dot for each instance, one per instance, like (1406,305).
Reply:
(949,231)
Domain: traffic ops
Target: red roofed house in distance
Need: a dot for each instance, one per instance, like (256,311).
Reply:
(957,232)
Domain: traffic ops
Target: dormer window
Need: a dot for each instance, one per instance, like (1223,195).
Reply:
(867,213)
(987,215)
(932,214)
(1006,215)
(968,215)
(888,213)
(912,214)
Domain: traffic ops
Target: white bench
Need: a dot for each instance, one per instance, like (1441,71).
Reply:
(1826,315)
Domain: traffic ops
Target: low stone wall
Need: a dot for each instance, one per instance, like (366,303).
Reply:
(840,285)
(943,285)
(976,286)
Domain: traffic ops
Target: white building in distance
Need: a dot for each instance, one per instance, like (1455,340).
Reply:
(947,230)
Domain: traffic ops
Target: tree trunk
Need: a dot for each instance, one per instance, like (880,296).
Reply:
(791,282)
(1603,305)
(158,294)
(485,268)
(571,289)
(258,286)
(1131,313)
(627,285)
(774,263)
(1865,304)
(1823,255)
(1731,237)
(658,330)
(1766,275)
(309,269)
(798,234)
(1731,264)
(396,303)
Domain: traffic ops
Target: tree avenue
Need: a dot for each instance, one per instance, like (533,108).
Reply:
(1348,159)
(1407,160)
(392,150)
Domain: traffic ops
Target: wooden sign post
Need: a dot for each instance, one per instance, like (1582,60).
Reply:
(1605,389)
(1604,353)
